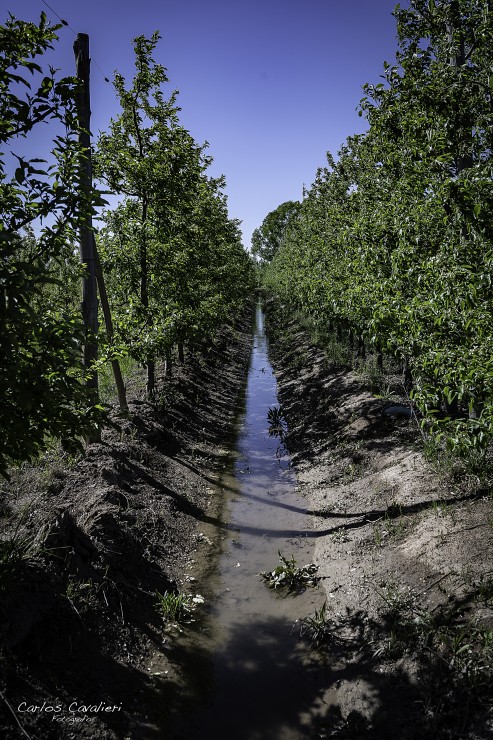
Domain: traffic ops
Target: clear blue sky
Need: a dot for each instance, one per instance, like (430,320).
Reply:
(272,85)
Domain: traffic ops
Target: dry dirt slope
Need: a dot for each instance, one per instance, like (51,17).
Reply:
(405,555)
(92,541)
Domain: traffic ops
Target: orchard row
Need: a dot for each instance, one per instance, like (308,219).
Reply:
(393,241)
(172,259)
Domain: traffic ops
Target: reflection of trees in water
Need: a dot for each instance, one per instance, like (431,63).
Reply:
(278,428)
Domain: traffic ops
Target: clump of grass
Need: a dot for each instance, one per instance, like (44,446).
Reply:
(288,575)
(130,371)
(318,628)
(462,651)
(14,551)
(177,608)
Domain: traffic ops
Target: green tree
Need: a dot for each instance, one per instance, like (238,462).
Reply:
(169,248)
(393,241)
(42,393)
(267,238)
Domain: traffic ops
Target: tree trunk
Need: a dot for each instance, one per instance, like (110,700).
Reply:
(117,373)
(169,363)
(144,294)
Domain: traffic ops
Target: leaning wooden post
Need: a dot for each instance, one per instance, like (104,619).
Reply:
(105,305)
(89,289)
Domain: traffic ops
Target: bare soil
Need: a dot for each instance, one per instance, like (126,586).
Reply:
(404,549)
(405,554)
(87,544)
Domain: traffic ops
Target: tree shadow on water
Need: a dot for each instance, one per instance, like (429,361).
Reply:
(264,683)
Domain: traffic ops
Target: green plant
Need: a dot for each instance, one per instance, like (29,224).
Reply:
(340,535)
(173,258)
(177,608)
(15,550)
(463,651)
(352,472)
(289,575)
(319,628)
(107,388)
(391,245)
(378,535)
(42,388)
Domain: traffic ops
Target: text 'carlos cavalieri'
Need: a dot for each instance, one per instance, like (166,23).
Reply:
(74,712)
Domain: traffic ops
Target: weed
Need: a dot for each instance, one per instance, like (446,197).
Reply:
(462,652)
(107,387)
(15,550)
(81,590)
(317,628)
(439,508)
(484,589)
(378,535)
(352,472)
(299,362)
(389,526)
(393,526)
(167,397)
(288,575)
(338,353)
(177,608)
(340,535)
(373,376)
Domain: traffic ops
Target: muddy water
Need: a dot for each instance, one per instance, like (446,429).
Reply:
(264,684)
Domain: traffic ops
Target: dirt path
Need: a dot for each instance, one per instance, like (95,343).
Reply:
(406,557)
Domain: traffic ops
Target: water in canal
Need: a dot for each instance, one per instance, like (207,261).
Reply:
(264,684)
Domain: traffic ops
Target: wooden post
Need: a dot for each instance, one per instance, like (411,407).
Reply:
(105,305)
(89,289)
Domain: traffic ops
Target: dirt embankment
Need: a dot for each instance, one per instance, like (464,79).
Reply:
(86,545)
(405,555)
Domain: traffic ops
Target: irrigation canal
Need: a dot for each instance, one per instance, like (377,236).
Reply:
(263,682)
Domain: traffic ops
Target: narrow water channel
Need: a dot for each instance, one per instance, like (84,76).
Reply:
(265,684)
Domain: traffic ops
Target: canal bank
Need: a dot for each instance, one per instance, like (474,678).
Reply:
(403,542)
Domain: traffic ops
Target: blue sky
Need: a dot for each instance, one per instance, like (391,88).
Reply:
(272,85)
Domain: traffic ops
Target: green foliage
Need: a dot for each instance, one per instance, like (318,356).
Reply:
(13,552)
(393,241)
(177,608)
(319,628)
(267,239)
(174,262)
(42,393)
(288,575)
(173,259)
